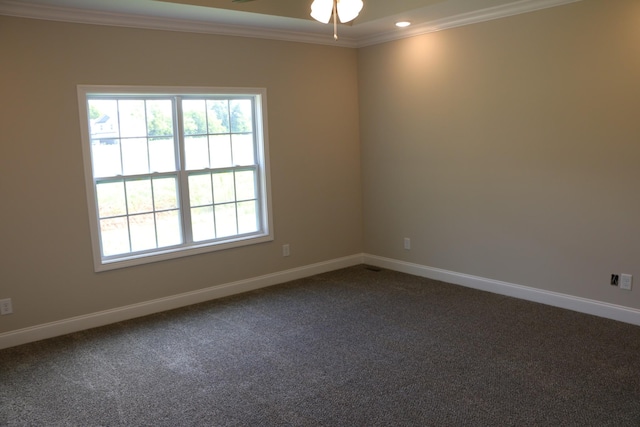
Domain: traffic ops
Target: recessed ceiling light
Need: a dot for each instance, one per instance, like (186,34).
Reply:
(403,24)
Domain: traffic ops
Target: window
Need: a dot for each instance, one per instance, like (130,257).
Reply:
(173,171)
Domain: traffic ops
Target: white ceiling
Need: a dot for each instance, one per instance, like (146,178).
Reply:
(277,19)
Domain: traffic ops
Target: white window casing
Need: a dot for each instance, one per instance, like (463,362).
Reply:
(174,171)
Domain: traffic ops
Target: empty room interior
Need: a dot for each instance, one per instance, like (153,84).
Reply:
(494,148)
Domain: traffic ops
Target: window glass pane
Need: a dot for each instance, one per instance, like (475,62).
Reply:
(139,198)
(135,156)
(202,223)
(103,119)
(200,192)
(111,199)
(160,117)
(114,235)
(132,118)
(245,185)
(220,151)
(197,152)
(143,147)
(105,157)
(226,220)
(165,196)
(241,113)
(194,117)
(243,149)
(218,116)
(168,226)
(162,155)
(143,232)
(247,217)
(223,187)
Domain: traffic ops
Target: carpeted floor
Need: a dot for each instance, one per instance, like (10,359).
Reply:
(354,347)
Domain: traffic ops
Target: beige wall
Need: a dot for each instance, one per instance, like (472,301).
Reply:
(510,149)
(45,249)
(507,150)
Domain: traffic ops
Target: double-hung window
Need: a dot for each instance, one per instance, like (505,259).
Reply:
(173,171)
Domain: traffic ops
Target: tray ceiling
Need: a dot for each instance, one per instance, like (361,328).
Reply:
(277,19)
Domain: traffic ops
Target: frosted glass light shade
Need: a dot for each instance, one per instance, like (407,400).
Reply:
(348,10)
(321,10)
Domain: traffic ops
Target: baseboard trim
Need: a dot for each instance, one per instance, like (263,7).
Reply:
(102,318)
(79,323)
(569,302)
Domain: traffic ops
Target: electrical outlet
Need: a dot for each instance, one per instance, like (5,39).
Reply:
(614,280)
(407,243)
(5,306)
(286,250)
(626,281)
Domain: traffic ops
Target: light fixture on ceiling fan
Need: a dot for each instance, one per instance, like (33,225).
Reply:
(321,10)
(345,10)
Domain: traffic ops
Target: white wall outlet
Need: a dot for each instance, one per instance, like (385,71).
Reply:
(407,243)
(5,306)
(626,281)
(286,251)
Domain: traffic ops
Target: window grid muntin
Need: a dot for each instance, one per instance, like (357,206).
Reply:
(236,201)
(136,97)
(252,132)
(128,215)
(258,150)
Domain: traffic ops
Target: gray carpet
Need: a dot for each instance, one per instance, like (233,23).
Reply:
(354,347)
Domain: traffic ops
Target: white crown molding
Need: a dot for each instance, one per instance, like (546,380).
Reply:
(55,13)
(83,16)
(475,17)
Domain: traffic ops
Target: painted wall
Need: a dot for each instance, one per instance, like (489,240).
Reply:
(507,150)
(45,250)
(510,149)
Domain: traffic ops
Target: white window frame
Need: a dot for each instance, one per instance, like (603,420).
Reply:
(265,220)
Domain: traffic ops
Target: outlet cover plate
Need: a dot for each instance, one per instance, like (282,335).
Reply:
(5,306)
(626,281)
(407,243)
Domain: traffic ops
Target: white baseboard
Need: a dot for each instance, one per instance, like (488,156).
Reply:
(74,324)
(582,305)
(79,323)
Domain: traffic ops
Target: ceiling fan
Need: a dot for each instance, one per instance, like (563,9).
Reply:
(322,10)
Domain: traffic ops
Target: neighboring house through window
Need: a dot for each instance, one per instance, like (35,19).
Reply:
(174,171)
